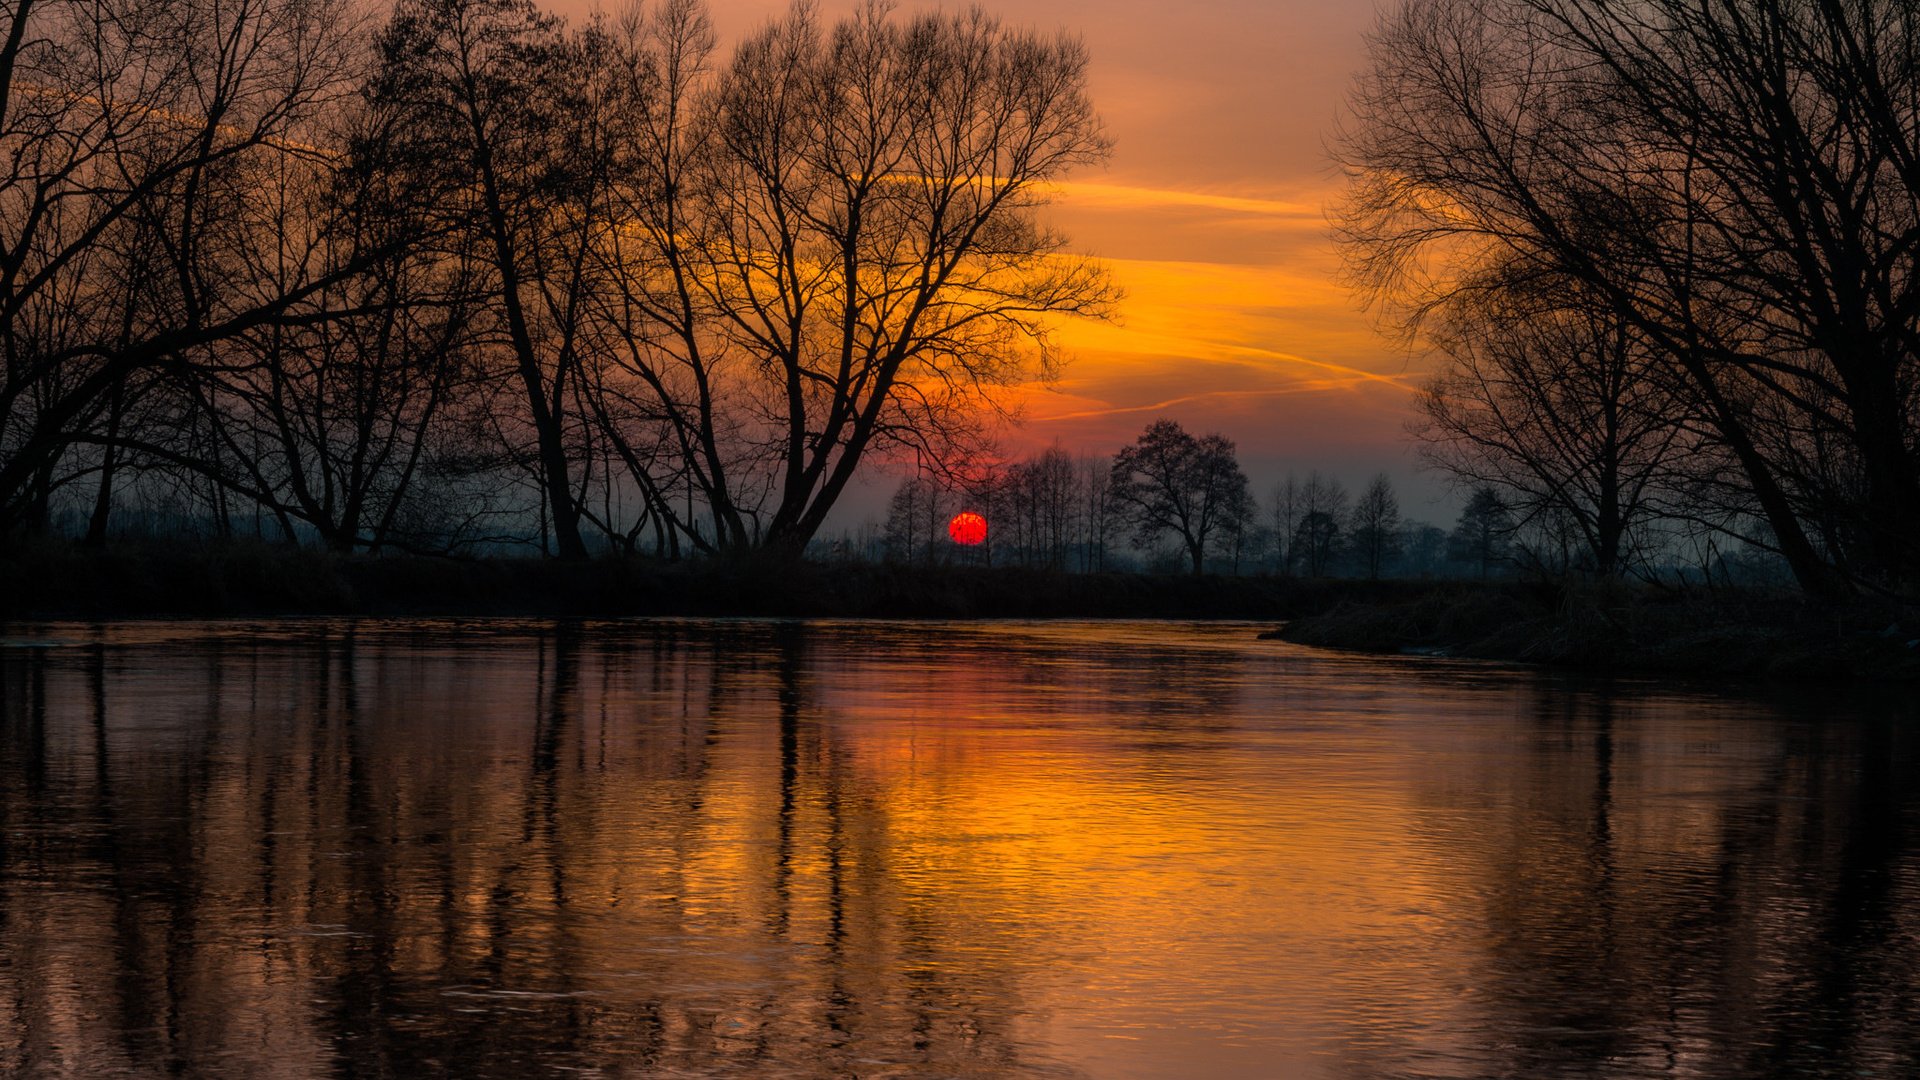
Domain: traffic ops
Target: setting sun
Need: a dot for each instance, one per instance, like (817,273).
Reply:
(967,529)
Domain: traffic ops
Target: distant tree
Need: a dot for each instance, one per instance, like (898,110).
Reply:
(1375,525)
(1286,522)
(1317,539)
(1242,534)
(1051,480)
(1482,534)
(1096,477)
(1171,482)
(1319,505)
(1424,548)
(915,518)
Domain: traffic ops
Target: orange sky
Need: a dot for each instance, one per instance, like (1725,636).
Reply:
(1212,215)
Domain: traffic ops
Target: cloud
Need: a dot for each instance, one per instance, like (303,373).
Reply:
(1105,196)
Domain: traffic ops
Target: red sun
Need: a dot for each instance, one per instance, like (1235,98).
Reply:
(967,528)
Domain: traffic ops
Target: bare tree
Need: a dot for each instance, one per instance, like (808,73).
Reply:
(1051,474)
(1375,526)
(1563,409)
(1736,181)
(916,520)
(507,133)
(1096,511)
(287,277)
(1322,505)
(1168,481)
(131,133)
(333,422)
(837,246)
(1286,522)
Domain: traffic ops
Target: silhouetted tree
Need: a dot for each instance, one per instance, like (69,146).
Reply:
(132,136)
(1560,407)
(1321,505)
(1425,549)
(260,270)
(1483,532)
(835,245)
(507,128)
(332,422)
(916,520)
(1375,527)
(1170,481)
(1317,538)
(1737,182)
(1096,511)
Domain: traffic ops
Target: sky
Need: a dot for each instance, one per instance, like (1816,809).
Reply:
(1212,216)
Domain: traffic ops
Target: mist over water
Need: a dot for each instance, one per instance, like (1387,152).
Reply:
(889,849)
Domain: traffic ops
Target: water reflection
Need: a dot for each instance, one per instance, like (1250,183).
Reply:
(499,849)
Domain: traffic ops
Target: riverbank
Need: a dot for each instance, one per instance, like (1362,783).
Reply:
(1624,629)
(1754,635)
(249,579)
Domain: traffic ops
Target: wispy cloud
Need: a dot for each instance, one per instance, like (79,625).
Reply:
(1093,195)
(1233,396)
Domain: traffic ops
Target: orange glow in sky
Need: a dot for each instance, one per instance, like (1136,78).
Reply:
(1212,217)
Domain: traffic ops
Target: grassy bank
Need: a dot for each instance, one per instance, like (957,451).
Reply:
(154,580)
(1620,629)
(1628,629)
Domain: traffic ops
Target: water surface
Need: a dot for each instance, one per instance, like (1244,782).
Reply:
(923,849)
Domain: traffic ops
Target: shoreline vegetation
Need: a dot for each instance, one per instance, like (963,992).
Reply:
(1739,634)
(1736,634)
(246,578)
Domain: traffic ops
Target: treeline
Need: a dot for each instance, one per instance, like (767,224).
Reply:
(464,275)
(1172,501)
(1666,251)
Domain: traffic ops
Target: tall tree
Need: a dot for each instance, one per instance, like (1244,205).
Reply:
(1738,181)
(131,135)
(837,245)
(1562,407)
(508,134)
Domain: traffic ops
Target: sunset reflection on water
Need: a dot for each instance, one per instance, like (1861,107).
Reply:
(880,849)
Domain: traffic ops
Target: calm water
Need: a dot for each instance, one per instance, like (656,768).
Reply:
(871,849)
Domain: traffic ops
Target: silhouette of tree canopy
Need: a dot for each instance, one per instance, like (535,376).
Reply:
(1168,481)
(474,275)
(133,140)
(835,246)
(1559,407)
(1306,522)
(1375,527)
(1483,533)
(1735,181)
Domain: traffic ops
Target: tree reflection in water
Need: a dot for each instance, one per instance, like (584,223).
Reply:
(837,849)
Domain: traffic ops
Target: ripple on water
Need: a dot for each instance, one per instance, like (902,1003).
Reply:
(687,848)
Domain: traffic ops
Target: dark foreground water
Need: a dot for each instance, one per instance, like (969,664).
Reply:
(868,849)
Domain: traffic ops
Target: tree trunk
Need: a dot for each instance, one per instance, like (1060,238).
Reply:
(1892,509)
(109,461)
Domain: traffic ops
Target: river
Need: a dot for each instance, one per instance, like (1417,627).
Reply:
(1131,849)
